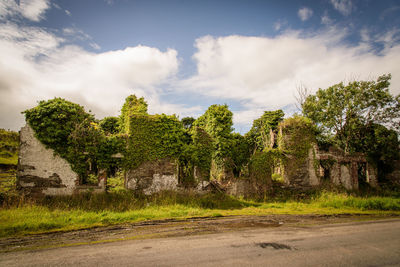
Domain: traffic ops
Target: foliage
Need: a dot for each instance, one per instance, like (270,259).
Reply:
(187,122)
(73,134)
(115,184)
(109,146)
(66,128)
(380,144)
(202,149)
(110,125)
(341,109)
(153,137)
(240,153)
(9,142)
(217,122)
(259,135)
(260,166)
(297,137)
(132,106)
(54,121)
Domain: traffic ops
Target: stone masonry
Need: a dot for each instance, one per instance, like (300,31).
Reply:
(152,177)
(42,172)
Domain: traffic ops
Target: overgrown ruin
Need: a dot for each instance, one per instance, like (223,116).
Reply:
(42,172)
(156,153)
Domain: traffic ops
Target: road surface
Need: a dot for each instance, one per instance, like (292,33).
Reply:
(372,243)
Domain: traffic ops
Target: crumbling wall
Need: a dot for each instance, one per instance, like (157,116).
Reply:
(343,170)
(240,188)
(153,176)
(42,172)
(297,142)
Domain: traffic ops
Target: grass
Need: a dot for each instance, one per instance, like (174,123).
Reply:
(9,142)
(22,216)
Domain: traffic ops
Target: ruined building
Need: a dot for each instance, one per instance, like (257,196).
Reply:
(42,172)
(154,158)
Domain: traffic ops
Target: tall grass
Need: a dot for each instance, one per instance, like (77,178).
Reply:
(21,216)
(340,201)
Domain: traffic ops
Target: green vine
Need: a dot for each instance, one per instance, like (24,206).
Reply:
(152,137)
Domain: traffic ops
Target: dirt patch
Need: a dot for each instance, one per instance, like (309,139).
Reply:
(174,228)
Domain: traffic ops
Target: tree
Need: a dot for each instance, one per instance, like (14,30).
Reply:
(380,144)
(259,136)
(341,110)
(66,128)
(187,122)
(240,153)
(217,122)
(109,125)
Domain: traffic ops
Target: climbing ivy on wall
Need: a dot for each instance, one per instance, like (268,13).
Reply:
(202,149)
(206,143)
(217,122)
(110,125)
(152,137)
(196,153)
(73,134)
(132,106)
(66,128)
(297,136)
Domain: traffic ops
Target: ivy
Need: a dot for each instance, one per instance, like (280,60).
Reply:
(74,135)
(153,137)
(217,122)
(296,138)
(110,125)
(259,137)
(197,152)
(132,106)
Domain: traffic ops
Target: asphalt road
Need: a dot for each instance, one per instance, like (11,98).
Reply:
(375,243)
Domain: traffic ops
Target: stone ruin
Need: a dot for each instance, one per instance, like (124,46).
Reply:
(42,172)
(152,177)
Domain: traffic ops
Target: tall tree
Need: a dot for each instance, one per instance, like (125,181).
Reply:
(341,110)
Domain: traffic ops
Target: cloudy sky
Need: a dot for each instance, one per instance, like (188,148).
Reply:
(184,56)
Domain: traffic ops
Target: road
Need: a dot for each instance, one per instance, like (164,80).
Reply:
(372,243)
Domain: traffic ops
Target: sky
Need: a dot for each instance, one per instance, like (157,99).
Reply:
(183,56)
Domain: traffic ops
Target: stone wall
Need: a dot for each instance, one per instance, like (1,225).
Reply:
(344,169)
(339,169)
(152,177)
(301,172)
(240,188)
(42,172)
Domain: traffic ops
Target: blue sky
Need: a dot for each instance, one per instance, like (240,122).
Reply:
(183,56)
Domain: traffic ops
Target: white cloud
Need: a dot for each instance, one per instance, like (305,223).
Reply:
(31,9)
(43,67)
(325,19)
(262,73)
(345,7)
(305,13)
(280,24)
(68,12)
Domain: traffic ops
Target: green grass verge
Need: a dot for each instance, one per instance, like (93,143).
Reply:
(82,211)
